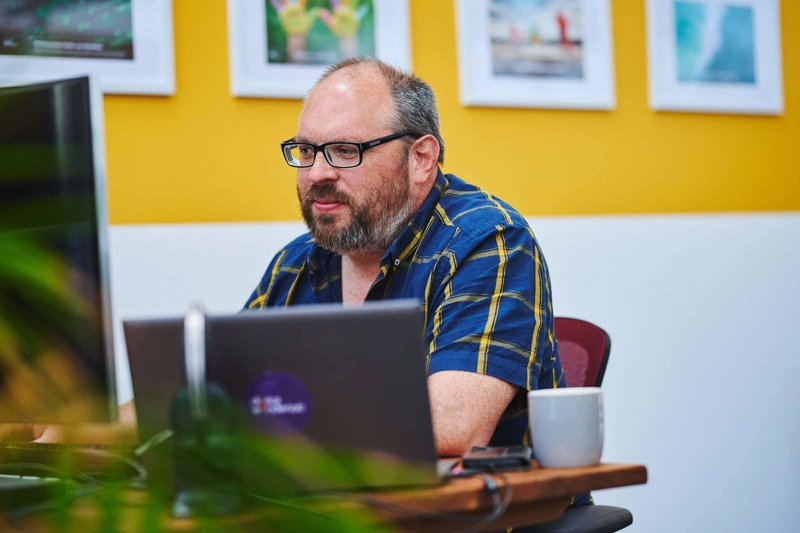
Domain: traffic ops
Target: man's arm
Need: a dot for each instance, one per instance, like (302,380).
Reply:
(466,407)
(121,432)
(490,327)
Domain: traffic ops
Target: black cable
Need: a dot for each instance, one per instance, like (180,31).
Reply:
(83,491)
(500,504)
(141,473)
(139,479)
(499,509)
(95,483)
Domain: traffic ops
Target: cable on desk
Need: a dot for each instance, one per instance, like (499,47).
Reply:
(94,486)
(82,492)
(139,479)
(500,503)
(141,473)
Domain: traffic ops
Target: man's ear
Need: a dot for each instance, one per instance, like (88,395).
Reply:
(423,156)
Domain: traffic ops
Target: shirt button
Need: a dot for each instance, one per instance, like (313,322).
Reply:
(396,262)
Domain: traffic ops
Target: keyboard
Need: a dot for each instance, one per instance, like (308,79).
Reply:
(20,495)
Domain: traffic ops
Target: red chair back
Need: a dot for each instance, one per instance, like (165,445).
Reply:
(584,350)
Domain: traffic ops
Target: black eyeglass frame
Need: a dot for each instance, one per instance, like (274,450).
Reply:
(362,147)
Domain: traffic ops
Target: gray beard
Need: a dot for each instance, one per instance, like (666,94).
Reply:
(362,237)
(373,227)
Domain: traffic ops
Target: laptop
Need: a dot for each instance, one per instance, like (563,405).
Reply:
(344,383)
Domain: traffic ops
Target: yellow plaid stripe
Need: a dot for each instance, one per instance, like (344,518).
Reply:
(538,307)
(486,339)
(262,298)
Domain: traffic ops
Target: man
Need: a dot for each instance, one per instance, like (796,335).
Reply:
(384,222)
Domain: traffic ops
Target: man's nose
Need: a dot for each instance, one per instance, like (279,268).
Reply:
(321,170)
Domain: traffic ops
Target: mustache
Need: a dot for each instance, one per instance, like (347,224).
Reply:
(326,192)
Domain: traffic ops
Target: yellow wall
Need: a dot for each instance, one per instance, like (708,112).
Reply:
(203,156)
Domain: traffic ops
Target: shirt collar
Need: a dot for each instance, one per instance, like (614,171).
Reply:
(408,240)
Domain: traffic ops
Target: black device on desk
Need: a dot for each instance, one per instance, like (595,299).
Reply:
(497,458)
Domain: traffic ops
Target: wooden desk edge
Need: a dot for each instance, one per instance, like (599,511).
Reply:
(468,494)
(539,495)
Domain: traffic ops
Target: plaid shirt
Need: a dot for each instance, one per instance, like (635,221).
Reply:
(474,263)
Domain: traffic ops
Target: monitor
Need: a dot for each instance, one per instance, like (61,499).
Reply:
(56,349)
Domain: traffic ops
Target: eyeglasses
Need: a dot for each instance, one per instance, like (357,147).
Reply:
(337,154)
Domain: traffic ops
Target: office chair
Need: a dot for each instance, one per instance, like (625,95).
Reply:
(584,349)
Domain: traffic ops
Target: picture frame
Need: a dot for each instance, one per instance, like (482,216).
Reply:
(715,56)
(281,54)
(544,54)
(131,54)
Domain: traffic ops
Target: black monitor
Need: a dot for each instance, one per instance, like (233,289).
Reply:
(56,349)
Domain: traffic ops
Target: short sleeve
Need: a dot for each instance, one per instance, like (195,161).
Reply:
(491,309)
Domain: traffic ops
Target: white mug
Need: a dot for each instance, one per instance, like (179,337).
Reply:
(566,426)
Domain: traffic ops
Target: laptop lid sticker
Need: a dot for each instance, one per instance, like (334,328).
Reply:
(278,404)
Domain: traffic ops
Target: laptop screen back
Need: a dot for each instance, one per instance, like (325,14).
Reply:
(346,378)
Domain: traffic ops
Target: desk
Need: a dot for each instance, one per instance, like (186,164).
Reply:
(539,495)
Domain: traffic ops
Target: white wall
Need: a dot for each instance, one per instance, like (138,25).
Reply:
(703,313)
(159,270)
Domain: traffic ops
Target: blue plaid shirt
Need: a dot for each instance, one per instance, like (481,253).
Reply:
(474,263)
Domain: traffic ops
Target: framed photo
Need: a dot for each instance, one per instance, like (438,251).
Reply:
(715,56)
(535,53)
(127,45)
(279,48)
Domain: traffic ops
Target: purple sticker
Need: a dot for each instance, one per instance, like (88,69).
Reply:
(278,403)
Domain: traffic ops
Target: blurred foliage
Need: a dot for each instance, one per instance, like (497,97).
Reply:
(42,321)
(275,479)
(41,318)
(49,306)
(36,302)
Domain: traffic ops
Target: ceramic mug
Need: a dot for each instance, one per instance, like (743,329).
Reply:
(566,426)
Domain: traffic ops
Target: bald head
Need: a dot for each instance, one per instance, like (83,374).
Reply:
(413,103)
(353,103)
